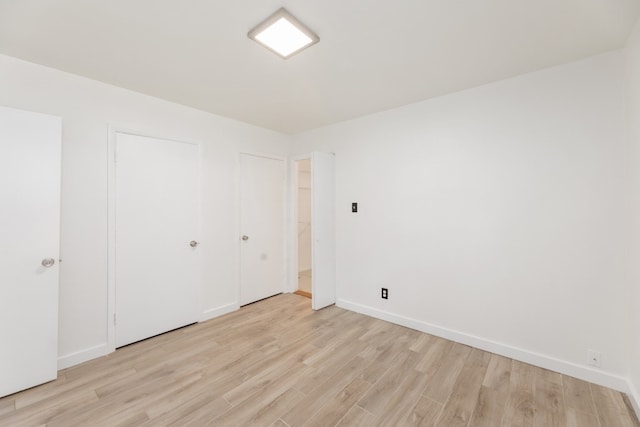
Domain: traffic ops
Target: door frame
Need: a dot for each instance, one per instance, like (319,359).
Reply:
(113,130)
(293,223)
(285,219)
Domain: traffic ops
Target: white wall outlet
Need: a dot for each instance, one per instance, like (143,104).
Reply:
(593,358)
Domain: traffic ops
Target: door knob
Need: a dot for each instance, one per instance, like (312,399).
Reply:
(48,262)
(193,243)
(245,237)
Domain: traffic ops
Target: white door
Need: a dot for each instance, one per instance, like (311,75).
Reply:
(157,270)
(30,150)
(262,222)
(323,250)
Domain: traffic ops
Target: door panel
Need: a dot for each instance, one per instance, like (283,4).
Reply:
(157,272)
(30,157)
(323,272)
(262,224)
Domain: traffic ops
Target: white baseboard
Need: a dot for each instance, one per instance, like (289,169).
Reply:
(567,368)
(218,311)
(72,359)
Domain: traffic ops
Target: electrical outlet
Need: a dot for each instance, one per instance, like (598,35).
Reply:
(354,207)
(593,358)
(385,293)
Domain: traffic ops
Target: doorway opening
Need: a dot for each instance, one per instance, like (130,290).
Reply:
(304,272)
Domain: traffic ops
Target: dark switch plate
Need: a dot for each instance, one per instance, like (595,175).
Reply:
(354,207)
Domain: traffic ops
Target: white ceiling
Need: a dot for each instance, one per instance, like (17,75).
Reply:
(372,55)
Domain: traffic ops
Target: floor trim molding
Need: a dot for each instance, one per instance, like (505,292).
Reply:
(78,357)
(303,293)
(567,368)
(212,313)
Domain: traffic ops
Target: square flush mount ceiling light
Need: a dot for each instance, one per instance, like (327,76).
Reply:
(283,34)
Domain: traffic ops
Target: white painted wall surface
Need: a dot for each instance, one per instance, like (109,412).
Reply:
(633,73)
(87,107)
(495,216)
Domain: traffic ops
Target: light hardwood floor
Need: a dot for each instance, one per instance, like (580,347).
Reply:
(278,363)
(304,281)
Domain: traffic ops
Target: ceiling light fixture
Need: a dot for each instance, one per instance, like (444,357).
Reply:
(283,34)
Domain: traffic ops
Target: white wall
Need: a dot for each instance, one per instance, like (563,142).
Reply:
(633,73)
(87,107)
(495,216)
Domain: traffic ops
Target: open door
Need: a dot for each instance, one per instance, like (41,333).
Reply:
(30,154)
(323,231)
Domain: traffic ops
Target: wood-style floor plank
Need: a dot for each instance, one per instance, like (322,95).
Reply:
(401,403)
(580,419)
(498,374)
(374,400)
(489,408)
(6,406)
(425,413)
(459,407)
(321,394)
(441,387)
(549,400)
(610,405)
(279,363)
(577,395)
(357,417)
(520,405)
(337,407)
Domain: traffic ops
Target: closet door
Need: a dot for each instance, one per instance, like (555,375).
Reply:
(30,157)
(323,229)
(262,203)
(157,263)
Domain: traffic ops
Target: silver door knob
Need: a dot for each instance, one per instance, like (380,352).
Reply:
(193,243)
(245,237)
(48,262)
